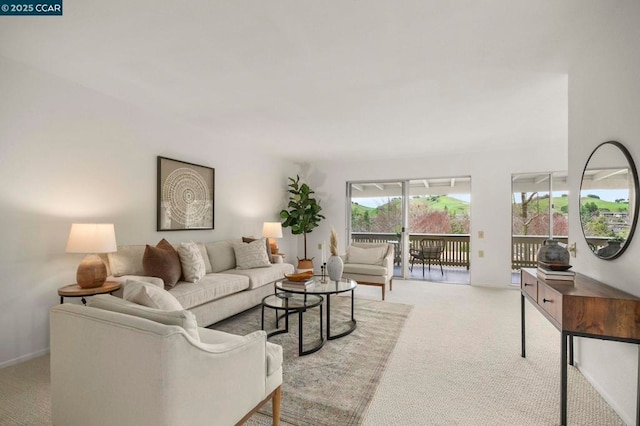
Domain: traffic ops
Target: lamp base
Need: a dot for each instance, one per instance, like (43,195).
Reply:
(92,272)
(273,246)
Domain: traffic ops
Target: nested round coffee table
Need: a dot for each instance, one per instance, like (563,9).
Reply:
(292,303)
(326,289)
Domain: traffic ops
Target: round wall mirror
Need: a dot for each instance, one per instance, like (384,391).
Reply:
(609,200)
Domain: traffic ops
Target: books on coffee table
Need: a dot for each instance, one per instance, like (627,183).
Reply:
(296,285)
(548,274)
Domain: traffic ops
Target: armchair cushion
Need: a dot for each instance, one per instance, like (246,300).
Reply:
(359,268)
(181,318)
(366,256)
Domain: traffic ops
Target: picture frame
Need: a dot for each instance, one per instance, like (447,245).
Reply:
(186,194)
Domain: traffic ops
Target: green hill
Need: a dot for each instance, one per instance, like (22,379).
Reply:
(438,203)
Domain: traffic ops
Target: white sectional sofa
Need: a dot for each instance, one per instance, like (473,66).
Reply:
(223,292)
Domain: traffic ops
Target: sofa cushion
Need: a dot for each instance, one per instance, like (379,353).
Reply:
(221,255)
(263,276)
(162,261)
(251,255)
(126,261)
(360,268)
(181,318)
(266,243)
(191,260)
(367,256)
(209,288)
(147,294)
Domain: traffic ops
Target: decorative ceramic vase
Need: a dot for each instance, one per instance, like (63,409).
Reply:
(335,268)
(552,252)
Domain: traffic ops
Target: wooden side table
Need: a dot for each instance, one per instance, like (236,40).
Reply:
(74,290)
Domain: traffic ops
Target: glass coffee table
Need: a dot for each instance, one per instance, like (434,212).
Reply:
(291,303)
(326,289)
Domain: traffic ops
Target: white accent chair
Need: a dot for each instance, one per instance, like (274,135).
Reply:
(115,368)
(370,264)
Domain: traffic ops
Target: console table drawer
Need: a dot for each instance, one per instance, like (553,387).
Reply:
(551,301)
(530,286)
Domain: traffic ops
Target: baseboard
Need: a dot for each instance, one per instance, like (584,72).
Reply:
(615,406)
(24,358)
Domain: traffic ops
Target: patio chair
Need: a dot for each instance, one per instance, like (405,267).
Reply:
(431,250)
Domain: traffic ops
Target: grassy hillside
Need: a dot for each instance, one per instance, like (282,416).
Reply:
(562,202)
(438,203)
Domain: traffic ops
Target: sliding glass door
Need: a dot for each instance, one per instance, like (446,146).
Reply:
(377,213)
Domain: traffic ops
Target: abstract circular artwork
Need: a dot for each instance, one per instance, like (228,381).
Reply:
(188,196)
(185,195)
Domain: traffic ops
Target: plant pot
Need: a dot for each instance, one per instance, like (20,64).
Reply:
(304,264)
(335,266)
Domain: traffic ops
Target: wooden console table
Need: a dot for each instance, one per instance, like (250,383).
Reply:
(583,308)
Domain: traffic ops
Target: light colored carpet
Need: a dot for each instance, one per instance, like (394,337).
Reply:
(335,385)
(457,362)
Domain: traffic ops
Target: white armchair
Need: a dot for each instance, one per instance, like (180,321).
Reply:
(370,264)
(114,368)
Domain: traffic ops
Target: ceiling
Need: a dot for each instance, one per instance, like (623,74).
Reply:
(302,79)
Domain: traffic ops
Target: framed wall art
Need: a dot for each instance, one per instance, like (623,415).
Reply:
(185,195)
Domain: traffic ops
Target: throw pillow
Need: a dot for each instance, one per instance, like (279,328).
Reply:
(193,267)
(251,255)
(266,240)
(162,261)
(146,294)
(183,318)
(366,256)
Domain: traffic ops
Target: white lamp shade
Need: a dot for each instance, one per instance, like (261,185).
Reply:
(92,238)
(272,230)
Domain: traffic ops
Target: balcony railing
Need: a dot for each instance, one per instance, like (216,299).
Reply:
(524,248)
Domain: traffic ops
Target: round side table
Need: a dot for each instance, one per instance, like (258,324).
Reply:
(74,290)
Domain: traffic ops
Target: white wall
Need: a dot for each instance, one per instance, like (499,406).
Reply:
(490,196)
(68,154)
(604,104)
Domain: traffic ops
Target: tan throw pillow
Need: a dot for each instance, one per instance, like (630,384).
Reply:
(162,261)
(146,294)
(266,241)
(366,256)
(182,318)
(251,255)
(193,267)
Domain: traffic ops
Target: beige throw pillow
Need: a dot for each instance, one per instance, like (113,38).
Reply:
(193,267)
(182,318)
(146,294)
(251,255)
(366,256)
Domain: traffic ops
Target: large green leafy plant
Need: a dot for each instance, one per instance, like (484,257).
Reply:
(303,211)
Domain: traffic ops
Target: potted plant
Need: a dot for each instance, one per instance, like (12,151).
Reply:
(302,215)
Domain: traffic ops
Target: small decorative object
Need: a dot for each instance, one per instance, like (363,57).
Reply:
(302,276)
(90,239)
(335,266)
(185,195)
(553,253)
(272,230)
(323,275)
(302,216)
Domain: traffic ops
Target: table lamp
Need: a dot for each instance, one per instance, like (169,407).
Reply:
(272,230)
(91,238)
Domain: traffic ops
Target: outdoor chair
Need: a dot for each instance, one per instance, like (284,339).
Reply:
(431,250)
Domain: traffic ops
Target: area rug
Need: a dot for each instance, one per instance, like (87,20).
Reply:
(336,384)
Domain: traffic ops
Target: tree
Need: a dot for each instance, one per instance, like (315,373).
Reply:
(303,214)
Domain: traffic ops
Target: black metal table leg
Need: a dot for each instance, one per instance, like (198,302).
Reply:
(563,378)
(353,320)
(570,349)
(522,327)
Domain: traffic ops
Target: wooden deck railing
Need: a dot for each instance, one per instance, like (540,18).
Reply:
(523,250)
